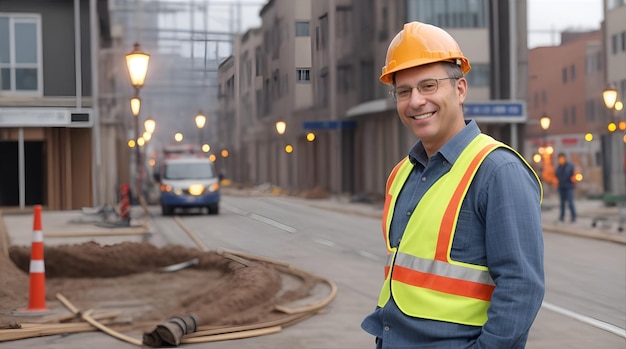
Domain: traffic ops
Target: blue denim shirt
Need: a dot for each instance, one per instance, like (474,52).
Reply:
(499,226)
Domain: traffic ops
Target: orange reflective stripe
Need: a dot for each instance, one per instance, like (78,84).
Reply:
(443,284)
(388,197)
(450,215)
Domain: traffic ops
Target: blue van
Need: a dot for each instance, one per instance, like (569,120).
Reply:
(187,182)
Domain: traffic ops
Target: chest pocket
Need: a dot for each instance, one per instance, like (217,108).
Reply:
(463,236)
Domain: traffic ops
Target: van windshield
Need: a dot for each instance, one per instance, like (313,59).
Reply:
(189,171)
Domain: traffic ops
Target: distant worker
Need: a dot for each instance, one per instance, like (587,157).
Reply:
(565,174)
(462,214)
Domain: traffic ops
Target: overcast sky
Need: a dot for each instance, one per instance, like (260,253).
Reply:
(547,18)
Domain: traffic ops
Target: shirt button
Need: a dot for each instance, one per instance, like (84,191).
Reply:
(423,179)
(387,328)
(408,213)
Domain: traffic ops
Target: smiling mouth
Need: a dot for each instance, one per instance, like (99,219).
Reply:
(422,116)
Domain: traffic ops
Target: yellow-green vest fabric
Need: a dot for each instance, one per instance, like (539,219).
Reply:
(424,280)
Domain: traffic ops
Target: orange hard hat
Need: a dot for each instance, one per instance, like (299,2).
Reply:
(418,44)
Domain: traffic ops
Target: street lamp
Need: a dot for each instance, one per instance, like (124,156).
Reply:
(150,125)
(200,122)
(281,127)
(548,170)
(178,137)
(135,105)
(137,64)
(609,96)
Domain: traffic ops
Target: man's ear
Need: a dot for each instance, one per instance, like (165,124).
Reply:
(461,89)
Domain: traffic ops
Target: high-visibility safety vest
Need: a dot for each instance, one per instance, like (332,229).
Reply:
(424,280)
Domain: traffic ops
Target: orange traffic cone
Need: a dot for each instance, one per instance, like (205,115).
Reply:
(37,288)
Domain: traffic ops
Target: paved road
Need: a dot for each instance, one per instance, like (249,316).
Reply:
(341,241)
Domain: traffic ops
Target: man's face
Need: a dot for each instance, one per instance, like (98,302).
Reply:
(436,117)
(561,160)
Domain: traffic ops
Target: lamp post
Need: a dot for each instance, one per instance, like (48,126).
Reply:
(200,122)
(281,127)
(616,177)
(548,170)
(137,63)
(545,125)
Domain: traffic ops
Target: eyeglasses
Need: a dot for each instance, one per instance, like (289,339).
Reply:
(425,87)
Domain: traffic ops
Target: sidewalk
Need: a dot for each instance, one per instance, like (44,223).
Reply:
(18,223)
(587,211)
(595,220)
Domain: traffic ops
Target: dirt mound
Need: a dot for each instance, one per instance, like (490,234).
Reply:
(126,277)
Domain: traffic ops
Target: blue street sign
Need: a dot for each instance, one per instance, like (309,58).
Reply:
(496,111)
(328,125)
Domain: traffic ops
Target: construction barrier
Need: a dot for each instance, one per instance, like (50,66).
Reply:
(125,203)
(37,287)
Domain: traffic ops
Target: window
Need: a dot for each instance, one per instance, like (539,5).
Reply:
(323,31)
(449,13)
(20,54)
(302,28)
(479,75)
(344,78)
(572,72)
(565,75)
(343,21)
(303,74)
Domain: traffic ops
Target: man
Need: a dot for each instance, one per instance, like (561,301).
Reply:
(565,175)
(462,215)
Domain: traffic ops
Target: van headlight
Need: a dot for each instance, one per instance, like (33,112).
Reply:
(212,187)
(196,189)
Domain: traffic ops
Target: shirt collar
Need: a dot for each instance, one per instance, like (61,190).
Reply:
(451,150)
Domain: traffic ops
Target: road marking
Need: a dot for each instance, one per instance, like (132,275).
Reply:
(261,219)
(586,319)
(369,255)
(272,222)
(325,242)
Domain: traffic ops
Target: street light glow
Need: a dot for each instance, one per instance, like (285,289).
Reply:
(178,137)
(611,127)
(310,136)
(137,64)
(281,127)
(200,120)
(609,96)
(149,125)
(545,122)
(288,149)
(588,137)
(135,105)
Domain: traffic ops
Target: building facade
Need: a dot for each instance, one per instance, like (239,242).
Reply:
(49,121)
(564,85)
(323,80)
